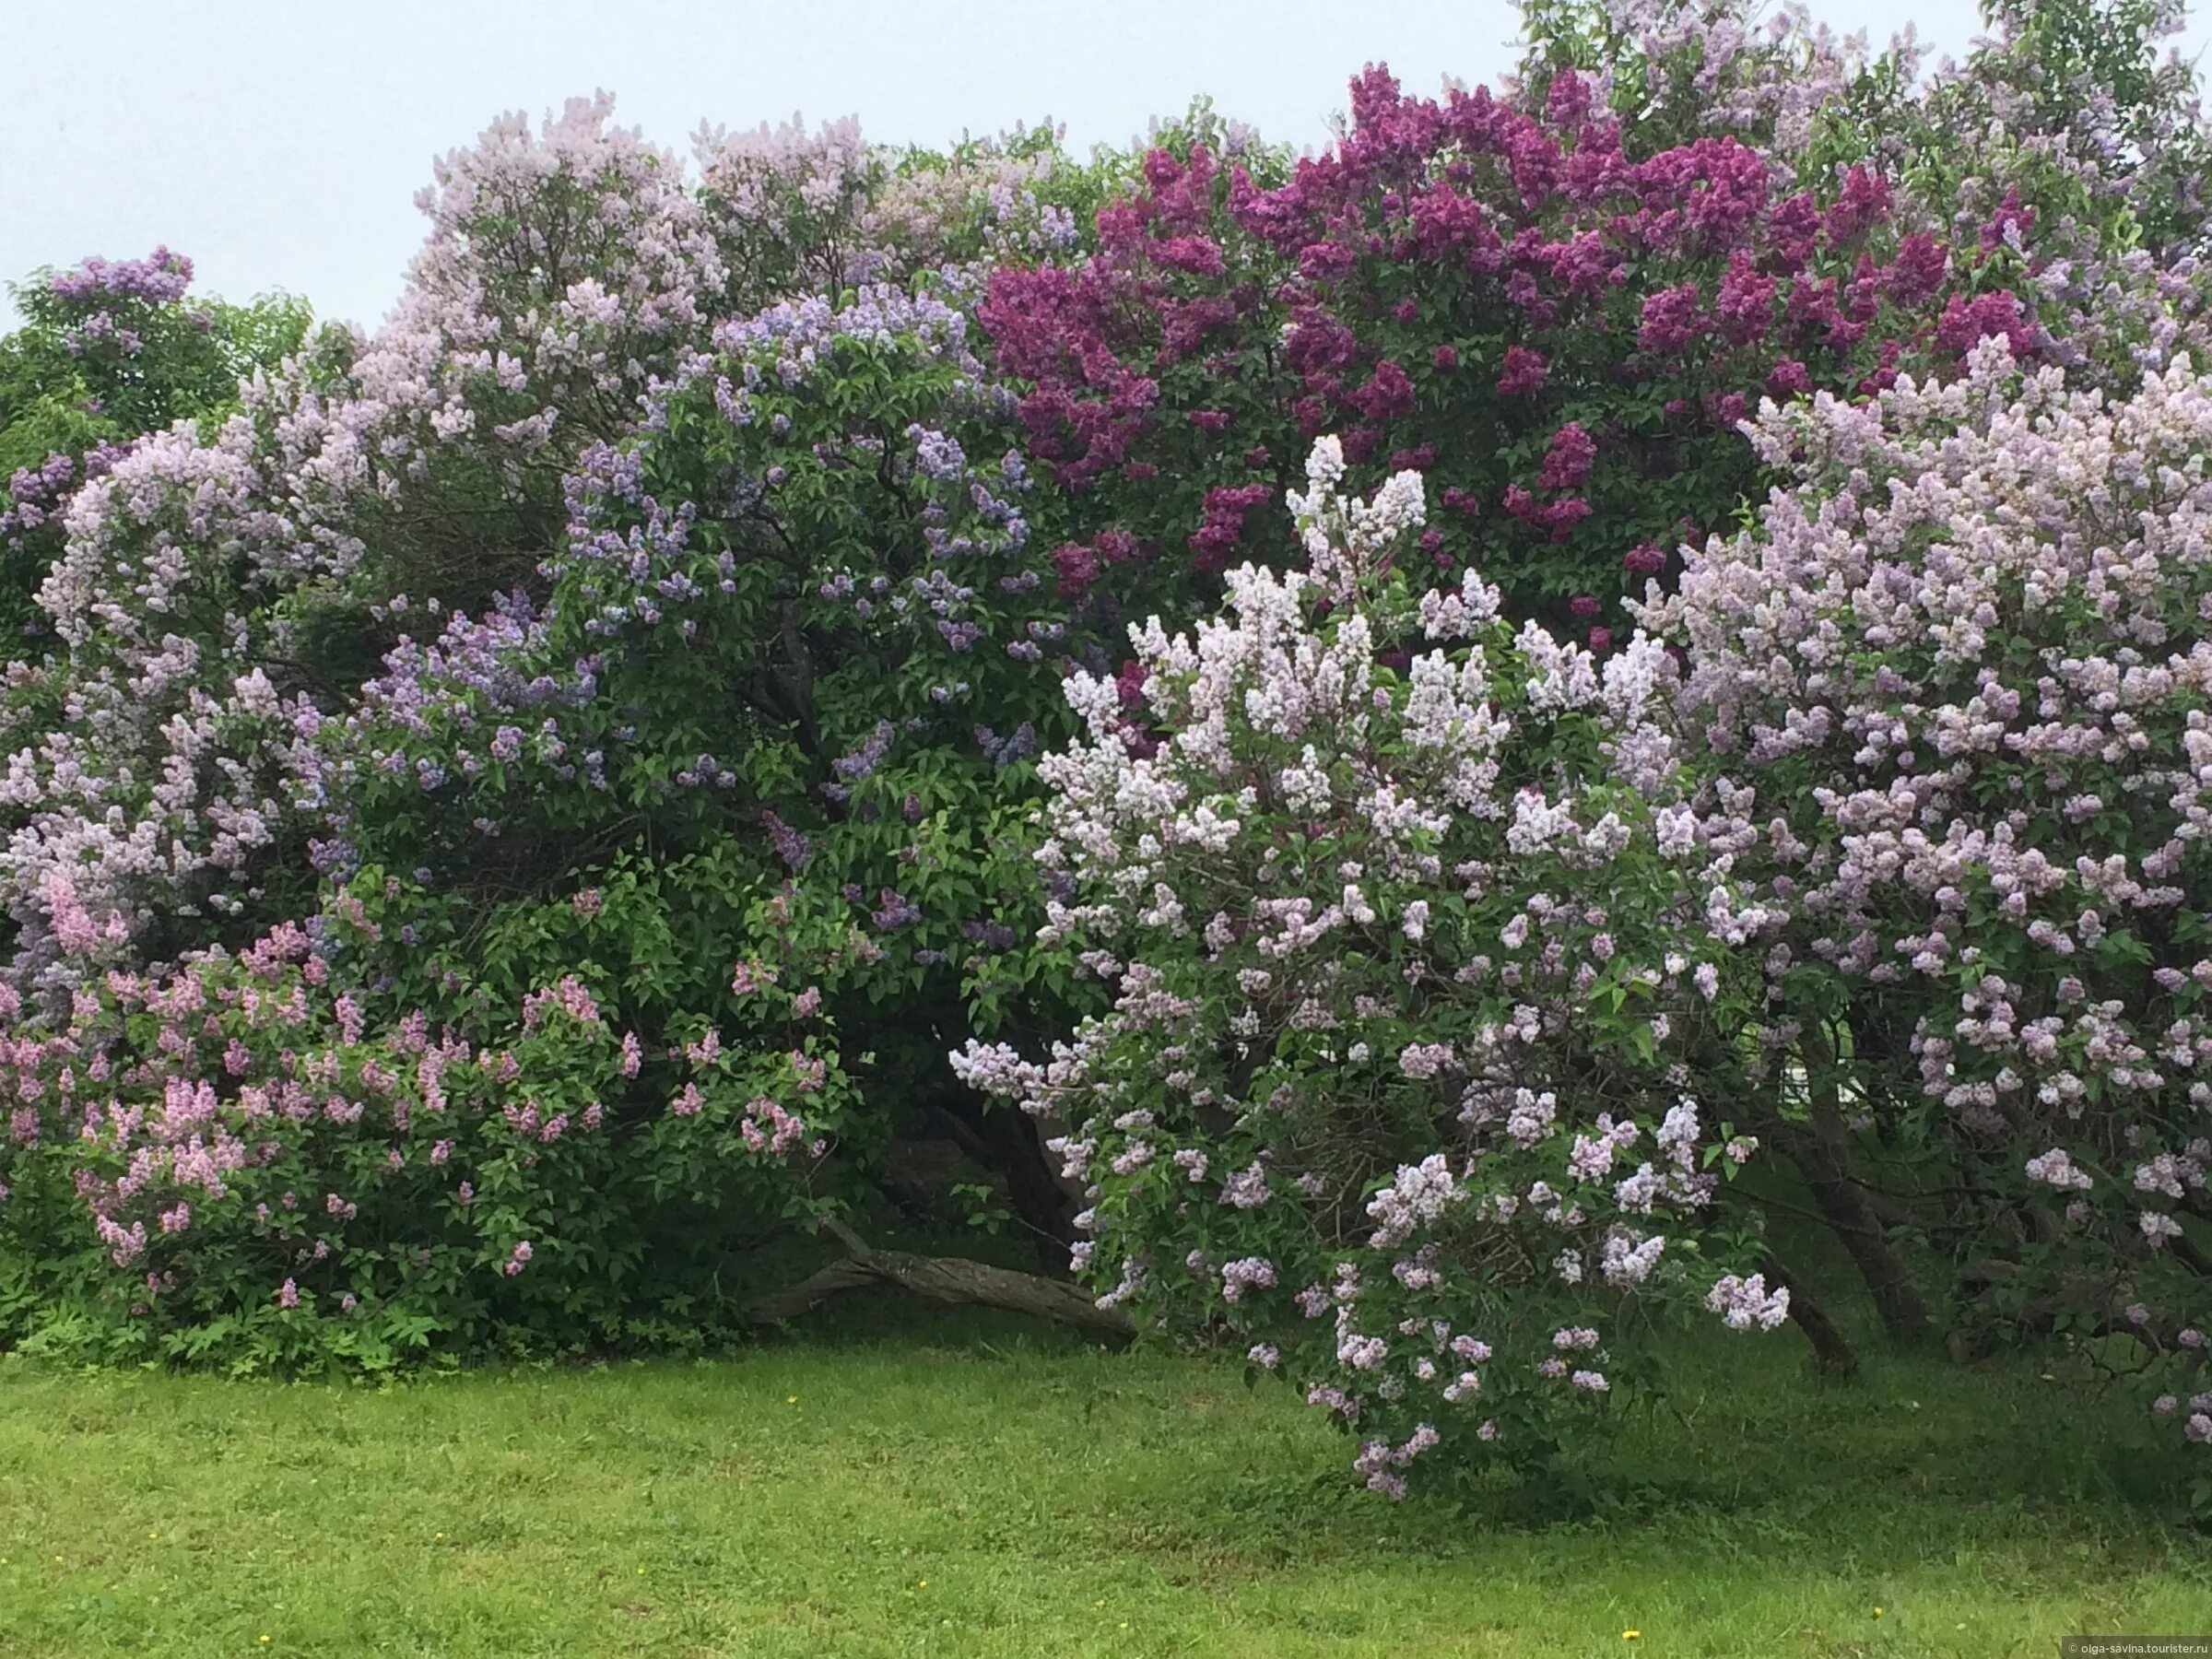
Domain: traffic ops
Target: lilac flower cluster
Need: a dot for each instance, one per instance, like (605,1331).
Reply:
(160,278)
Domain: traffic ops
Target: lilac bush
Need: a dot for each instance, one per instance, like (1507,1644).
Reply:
(1409,954)
(205,746)
(643,671)
(221,592)
(232,1162)
(211,587)
(1960,671)
(1554,299)
(109,351)
(777,707)
(2068,139)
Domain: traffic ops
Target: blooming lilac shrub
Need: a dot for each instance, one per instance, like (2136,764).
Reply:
(564,270)
(799,212)
(2067,138)
(1957,676)
(229,589)
(1407,953)
(223,602)
(217,589)
(779,707)
(2072,108)
(1556,302)
(108,351)
(234,1161)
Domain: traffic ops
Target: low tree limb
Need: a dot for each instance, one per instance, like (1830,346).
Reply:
(952,1280)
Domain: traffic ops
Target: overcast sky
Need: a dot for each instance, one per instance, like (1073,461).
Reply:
(280,143)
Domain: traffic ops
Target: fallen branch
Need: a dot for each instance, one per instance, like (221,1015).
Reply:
(952,1280)
(2092,1301)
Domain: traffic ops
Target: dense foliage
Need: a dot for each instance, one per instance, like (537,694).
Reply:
(515,810)
(251,1173)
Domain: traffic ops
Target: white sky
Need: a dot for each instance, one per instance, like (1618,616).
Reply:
(280,143)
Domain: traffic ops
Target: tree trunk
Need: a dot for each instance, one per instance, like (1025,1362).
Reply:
(951,1280)
(1822,1154)
(1008,1141)
(1830,1349)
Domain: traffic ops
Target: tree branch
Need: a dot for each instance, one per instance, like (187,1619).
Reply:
(951,1280)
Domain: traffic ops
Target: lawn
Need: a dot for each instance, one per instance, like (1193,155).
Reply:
(977,1490)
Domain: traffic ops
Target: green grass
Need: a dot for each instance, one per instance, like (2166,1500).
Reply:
(974,1492)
